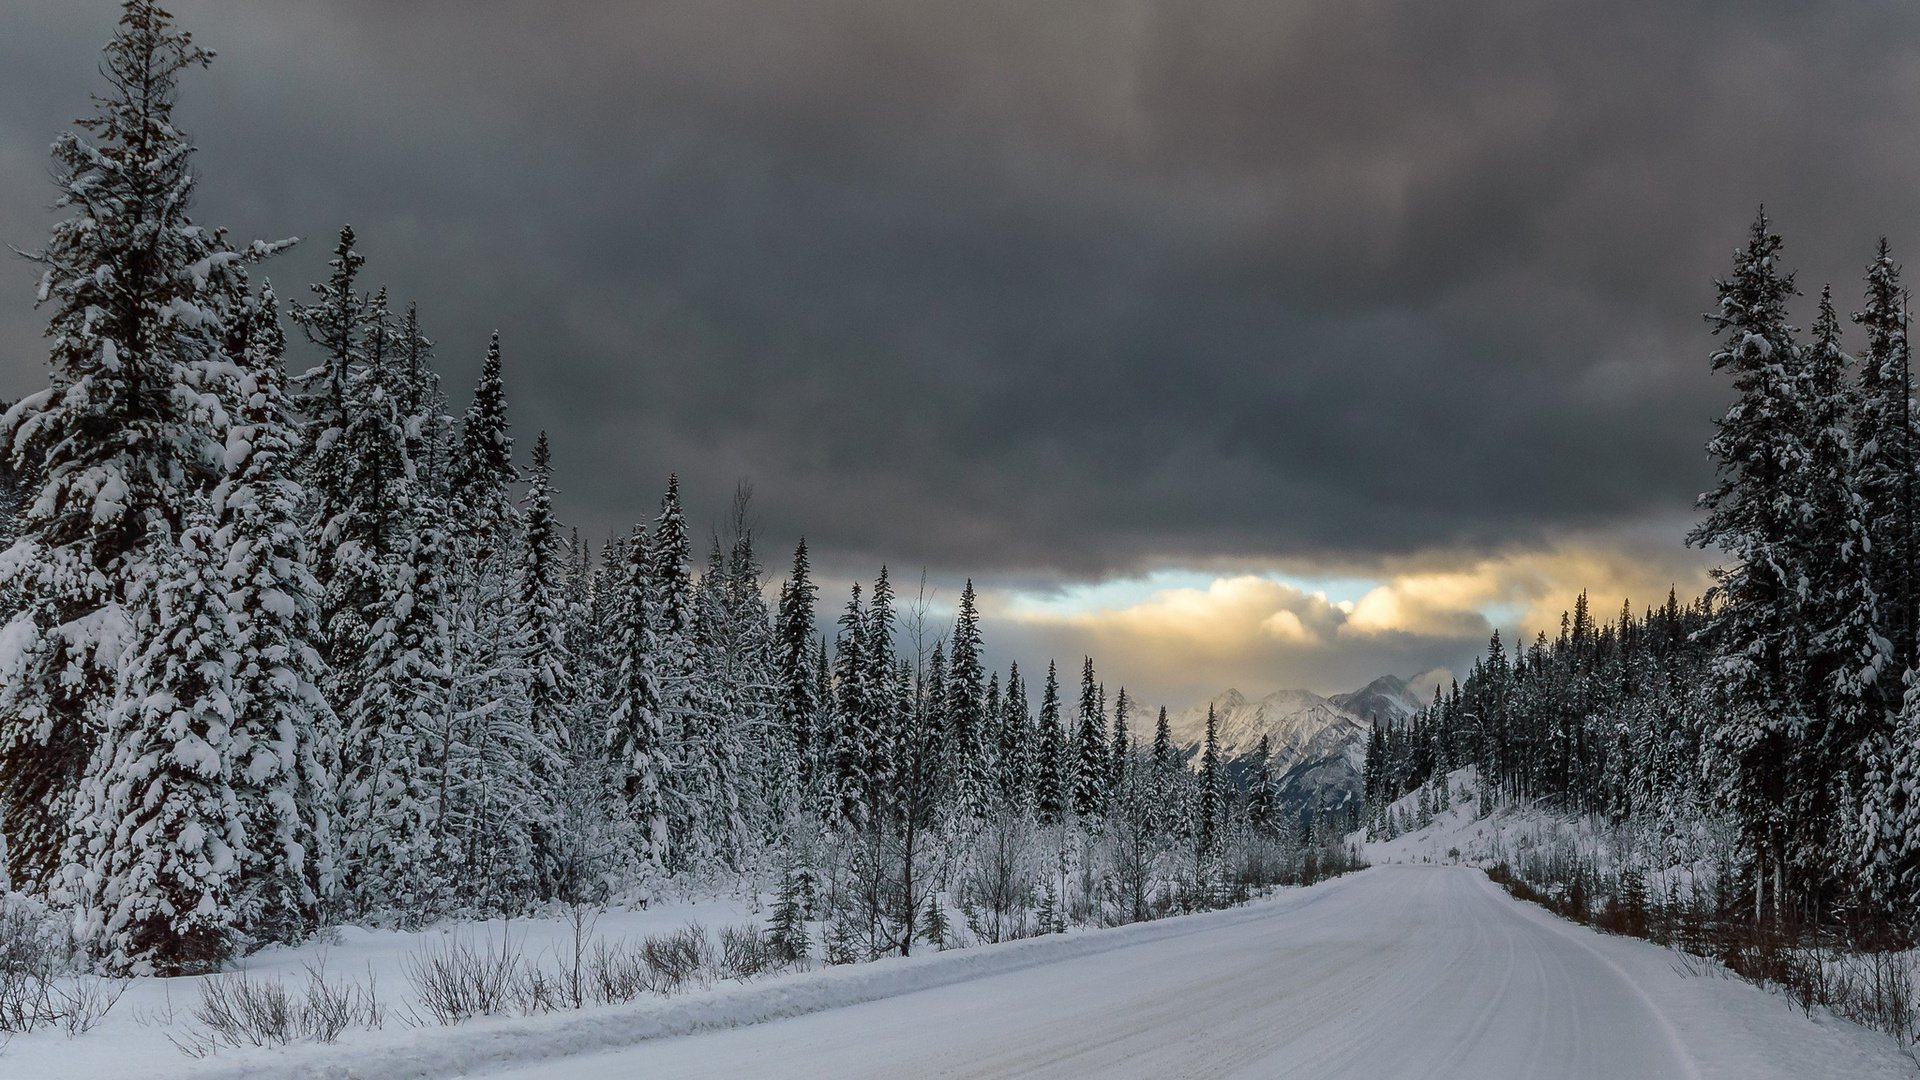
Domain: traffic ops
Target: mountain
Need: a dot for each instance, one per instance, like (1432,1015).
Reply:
(1319,744)
(1299,723)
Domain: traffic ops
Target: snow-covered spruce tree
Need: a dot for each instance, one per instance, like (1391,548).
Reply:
(124,437)
(284,730)
(714,756)
(877,733)
(387,594)
(635,736)
(826,735)
(770,781)
(1207,807)
(1090,751)
(548,660)
(483,471)
(483,741)
(1752,515)
(159,839)
(1848,650)
(1263,810)
(849,752)
(335,323)
(1118,770)
(793,657)
(1884,461)
(1052,784)
(963,706)
(1017,760)
(1884,444)
(1164,766)
(543,608)
(671,555)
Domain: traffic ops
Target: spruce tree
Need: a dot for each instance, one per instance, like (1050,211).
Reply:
(1053,790)
(852,740)
(285,735)
(1884,439)
(128,433)
(1263,812)
(387,595)
(965,711)
(543,622)
(1118,771)
(160,840)
(635,735)
(1207,809)
(1016,753)
(1092,760)
(1752,514)
(794,647)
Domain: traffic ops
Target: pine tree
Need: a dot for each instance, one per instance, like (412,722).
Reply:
(484,474)
(1263,811)
(1053,792)
(1884,437)
(1207,810)
(794,646)
(1164,767)
(128,433)
(159,830)
(635,734)
(1016,750)
(1848,650)
(851,752)
(671,554)
(543,621)
(1752,515)
(1118,771)
(879,729)
(1092,762)
(285,733)
(387,594)
(965,711)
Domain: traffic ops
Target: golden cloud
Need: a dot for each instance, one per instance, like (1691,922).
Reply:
(1255,630)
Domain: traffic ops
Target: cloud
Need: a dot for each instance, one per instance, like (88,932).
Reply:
(1258,631)
(1060,292)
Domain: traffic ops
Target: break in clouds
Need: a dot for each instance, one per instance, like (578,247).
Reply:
(1055,293)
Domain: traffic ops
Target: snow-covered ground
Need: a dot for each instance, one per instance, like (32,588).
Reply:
(137,1029)
(1398,971)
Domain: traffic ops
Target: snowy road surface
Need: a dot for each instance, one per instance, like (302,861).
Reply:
(1395,972)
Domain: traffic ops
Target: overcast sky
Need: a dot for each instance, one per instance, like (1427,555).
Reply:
(1259,343)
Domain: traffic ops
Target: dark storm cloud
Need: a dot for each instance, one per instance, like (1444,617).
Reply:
(1059,289)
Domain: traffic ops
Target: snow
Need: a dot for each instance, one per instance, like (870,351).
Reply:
(1398,971)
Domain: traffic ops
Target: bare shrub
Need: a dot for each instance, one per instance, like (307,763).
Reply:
(40,985)
(678,959)
(85,1001)
(541,991)
(238,1010)
(456,979)
(745,953)
(615,973)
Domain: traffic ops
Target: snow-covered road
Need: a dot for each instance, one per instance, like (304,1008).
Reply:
(1395,972)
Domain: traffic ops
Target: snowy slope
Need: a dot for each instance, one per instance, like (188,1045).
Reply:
(1397,972)
(1300,724)
(1387,698)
